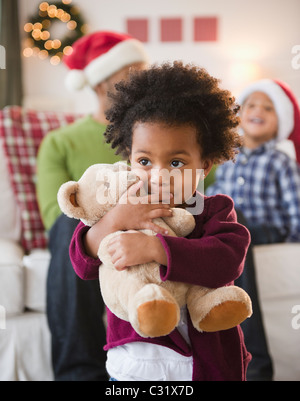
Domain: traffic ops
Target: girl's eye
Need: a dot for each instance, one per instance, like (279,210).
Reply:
(269,108)
(177,164)
(144,162)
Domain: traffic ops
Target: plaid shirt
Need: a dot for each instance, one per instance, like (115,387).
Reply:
(265,185)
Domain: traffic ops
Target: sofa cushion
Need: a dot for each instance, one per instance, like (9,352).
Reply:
(11,277)
(36,266)
(278,280)
(25,349)
(22,132)
(10,227)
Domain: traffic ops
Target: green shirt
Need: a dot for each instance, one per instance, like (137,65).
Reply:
(64,156)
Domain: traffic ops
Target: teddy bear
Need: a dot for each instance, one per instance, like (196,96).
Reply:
(137,294)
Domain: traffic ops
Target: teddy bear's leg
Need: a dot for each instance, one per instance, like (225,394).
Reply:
(218,309)
(153,312)
(117,288)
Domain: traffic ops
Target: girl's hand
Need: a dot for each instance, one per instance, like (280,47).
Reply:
(137,213)
(127,215)
(134,248)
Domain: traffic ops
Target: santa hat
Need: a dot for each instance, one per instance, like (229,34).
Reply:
(286,107)
(97,56)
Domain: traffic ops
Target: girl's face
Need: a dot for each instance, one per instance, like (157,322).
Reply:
(259,120)
(168,159)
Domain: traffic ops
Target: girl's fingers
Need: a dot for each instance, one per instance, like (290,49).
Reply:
(112,246)
(157,229)
(119,265)
(132,191)
(116,258)
(157,213)
(161,199)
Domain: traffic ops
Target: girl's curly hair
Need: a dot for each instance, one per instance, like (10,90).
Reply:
(175,94)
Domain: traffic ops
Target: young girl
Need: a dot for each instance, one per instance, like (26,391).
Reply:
(165,118)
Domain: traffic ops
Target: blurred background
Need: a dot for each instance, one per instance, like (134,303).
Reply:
(237,41)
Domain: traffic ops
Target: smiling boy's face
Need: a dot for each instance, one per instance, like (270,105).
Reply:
(259,120)
(165,153)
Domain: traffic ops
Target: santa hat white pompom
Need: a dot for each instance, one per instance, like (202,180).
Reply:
(76,80)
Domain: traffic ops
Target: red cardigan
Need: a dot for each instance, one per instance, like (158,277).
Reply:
(212,256)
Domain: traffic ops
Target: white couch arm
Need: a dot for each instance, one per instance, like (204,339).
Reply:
(278,281)
(11,277)
(36,266)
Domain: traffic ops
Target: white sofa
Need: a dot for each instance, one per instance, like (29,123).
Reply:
(24,335)
(278,277)
(25,353)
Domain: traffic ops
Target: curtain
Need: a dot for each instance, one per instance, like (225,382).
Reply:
(11,90)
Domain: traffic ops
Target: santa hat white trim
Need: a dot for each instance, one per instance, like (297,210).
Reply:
(282,103)
(125,53)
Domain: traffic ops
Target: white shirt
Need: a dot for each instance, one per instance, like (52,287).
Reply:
(139,361)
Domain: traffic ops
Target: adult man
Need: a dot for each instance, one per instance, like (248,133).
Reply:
(75,308)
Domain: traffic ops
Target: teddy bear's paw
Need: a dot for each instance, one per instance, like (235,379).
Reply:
(225,316)
(218,309)
(153,311)
(157,318)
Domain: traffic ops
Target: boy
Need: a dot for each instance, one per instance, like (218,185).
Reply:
(98,61)
(265,186)
(264,182)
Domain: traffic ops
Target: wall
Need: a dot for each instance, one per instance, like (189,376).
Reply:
(255,40)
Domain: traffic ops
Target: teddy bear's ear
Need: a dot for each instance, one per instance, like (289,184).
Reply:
(66,198)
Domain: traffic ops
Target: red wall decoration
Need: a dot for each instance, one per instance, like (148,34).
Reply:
(171,29)
(205,29)
(138,28)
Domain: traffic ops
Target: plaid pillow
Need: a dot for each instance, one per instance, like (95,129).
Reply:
(22,132)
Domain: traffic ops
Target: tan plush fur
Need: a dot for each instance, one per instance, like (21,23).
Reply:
(137,294)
